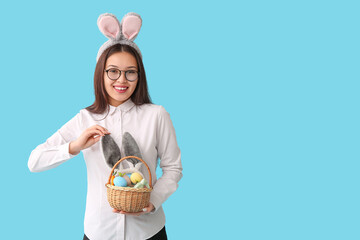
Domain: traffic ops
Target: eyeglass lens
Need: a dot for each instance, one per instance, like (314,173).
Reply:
(114,74)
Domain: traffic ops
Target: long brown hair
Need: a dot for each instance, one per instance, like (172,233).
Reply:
(140,94)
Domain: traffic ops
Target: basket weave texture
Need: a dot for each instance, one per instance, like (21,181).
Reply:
(128,199)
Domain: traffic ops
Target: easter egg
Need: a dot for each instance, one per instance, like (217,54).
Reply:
(120,182)
(135,178)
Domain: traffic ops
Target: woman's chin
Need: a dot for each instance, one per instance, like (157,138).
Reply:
(118,101)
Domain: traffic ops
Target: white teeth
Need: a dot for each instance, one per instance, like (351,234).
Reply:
(120,88)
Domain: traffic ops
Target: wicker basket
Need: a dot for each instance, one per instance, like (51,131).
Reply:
(128,199)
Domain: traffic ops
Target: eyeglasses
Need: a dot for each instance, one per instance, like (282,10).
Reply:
(114,74)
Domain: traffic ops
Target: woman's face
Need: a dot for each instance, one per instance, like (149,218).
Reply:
(121,89)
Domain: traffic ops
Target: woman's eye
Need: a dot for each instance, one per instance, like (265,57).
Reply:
(131,72)
(113,71)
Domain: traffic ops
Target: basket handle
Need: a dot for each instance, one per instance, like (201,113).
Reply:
(122,159)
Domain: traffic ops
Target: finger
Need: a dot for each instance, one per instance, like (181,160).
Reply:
(97,127)
(146,210)
(92,138)
(91,141)
(94,132)
(102,129)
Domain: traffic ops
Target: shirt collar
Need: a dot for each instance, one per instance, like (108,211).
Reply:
(124,107)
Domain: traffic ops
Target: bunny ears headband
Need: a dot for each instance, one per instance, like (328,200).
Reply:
(124,32)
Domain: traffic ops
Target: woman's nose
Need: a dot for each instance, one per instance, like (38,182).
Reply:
(122,78)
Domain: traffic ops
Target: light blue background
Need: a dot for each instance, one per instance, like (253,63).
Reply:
(264,97)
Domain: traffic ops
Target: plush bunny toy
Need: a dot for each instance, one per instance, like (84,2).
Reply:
(112,154)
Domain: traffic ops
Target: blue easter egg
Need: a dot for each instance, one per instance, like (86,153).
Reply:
(120,182)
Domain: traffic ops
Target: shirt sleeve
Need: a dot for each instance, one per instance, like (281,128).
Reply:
(170,160)
(55,150)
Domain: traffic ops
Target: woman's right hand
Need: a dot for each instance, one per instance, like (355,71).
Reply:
(89,137)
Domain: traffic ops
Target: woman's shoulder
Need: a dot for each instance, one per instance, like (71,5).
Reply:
(149,106)
(152,108)
(87,115)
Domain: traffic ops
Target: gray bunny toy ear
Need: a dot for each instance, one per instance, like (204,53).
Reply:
(111,150)
(131,148)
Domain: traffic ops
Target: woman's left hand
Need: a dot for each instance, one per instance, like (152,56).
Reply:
(145,210)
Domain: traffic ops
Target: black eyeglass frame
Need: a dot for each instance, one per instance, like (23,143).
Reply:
(107,73)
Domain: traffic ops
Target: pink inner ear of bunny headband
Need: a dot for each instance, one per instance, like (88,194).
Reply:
(131,26)
(109,26)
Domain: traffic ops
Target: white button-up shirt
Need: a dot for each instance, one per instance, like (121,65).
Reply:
(152,129)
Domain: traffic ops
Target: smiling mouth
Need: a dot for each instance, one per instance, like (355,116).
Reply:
(121,89)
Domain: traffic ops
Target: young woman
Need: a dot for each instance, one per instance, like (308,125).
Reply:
(122,104)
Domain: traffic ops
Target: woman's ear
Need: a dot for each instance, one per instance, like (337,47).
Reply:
(131,148)
(130,25)
(111,150)
(109,25)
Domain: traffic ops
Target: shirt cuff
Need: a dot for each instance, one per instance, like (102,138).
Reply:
(64,149)
(156,201)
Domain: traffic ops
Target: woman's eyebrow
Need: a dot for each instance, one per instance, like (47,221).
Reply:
(118,67)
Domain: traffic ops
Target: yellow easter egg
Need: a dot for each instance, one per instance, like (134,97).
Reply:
(135,178)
